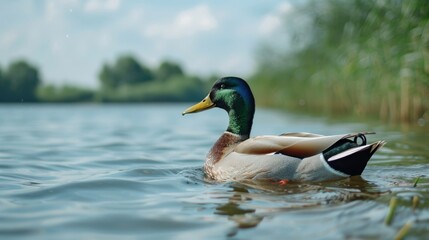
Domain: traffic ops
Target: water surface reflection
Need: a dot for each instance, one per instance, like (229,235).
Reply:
(125,171)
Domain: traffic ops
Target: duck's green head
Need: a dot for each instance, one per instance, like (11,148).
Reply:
(234,95)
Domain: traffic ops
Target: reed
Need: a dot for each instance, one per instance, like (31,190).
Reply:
(391,213)
(403,231)
(415,202)
(369,62)
(417,181)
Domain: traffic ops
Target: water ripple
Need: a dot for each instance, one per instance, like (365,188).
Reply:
(135,171)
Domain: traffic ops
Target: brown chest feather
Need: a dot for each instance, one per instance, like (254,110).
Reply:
(224,145)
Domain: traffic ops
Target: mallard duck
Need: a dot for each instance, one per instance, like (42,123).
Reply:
(288,156)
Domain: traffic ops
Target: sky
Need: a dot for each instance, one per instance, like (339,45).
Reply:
(69,40)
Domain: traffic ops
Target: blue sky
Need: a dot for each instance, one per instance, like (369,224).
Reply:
(69,40)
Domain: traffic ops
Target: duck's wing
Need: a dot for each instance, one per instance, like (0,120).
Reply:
(300,134)
(300,145)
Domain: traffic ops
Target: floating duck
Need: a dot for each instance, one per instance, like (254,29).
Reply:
(286,157)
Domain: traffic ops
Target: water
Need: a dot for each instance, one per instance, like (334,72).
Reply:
(135,171)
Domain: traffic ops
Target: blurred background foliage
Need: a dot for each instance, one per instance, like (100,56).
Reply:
(361,58)
(18,82)
(127,80)
(335,57)
(64,94)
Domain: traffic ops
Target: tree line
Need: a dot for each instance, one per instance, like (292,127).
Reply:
(124,80)
(18,83)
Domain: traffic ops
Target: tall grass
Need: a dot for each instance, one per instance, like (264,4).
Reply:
(366,58)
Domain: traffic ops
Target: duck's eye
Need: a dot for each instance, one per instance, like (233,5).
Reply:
(222,86)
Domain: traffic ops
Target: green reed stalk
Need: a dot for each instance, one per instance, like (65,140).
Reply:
(391,213)
(416,181)
(403,231)
(415,202)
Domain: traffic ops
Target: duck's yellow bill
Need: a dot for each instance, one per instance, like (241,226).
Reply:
(205,104)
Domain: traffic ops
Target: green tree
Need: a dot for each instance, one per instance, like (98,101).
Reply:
(23,80)
(65,94)
(126,71)
(4,87)
(107,77)
(129,81)
(167,70)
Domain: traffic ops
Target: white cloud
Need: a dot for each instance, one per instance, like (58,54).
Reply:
(102,5)
(70,39)
(55,9)
(132,19)
(198,18)
(286,8)
(269,24)
(186,23)
(273,21)
(7,39)
(105,40)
